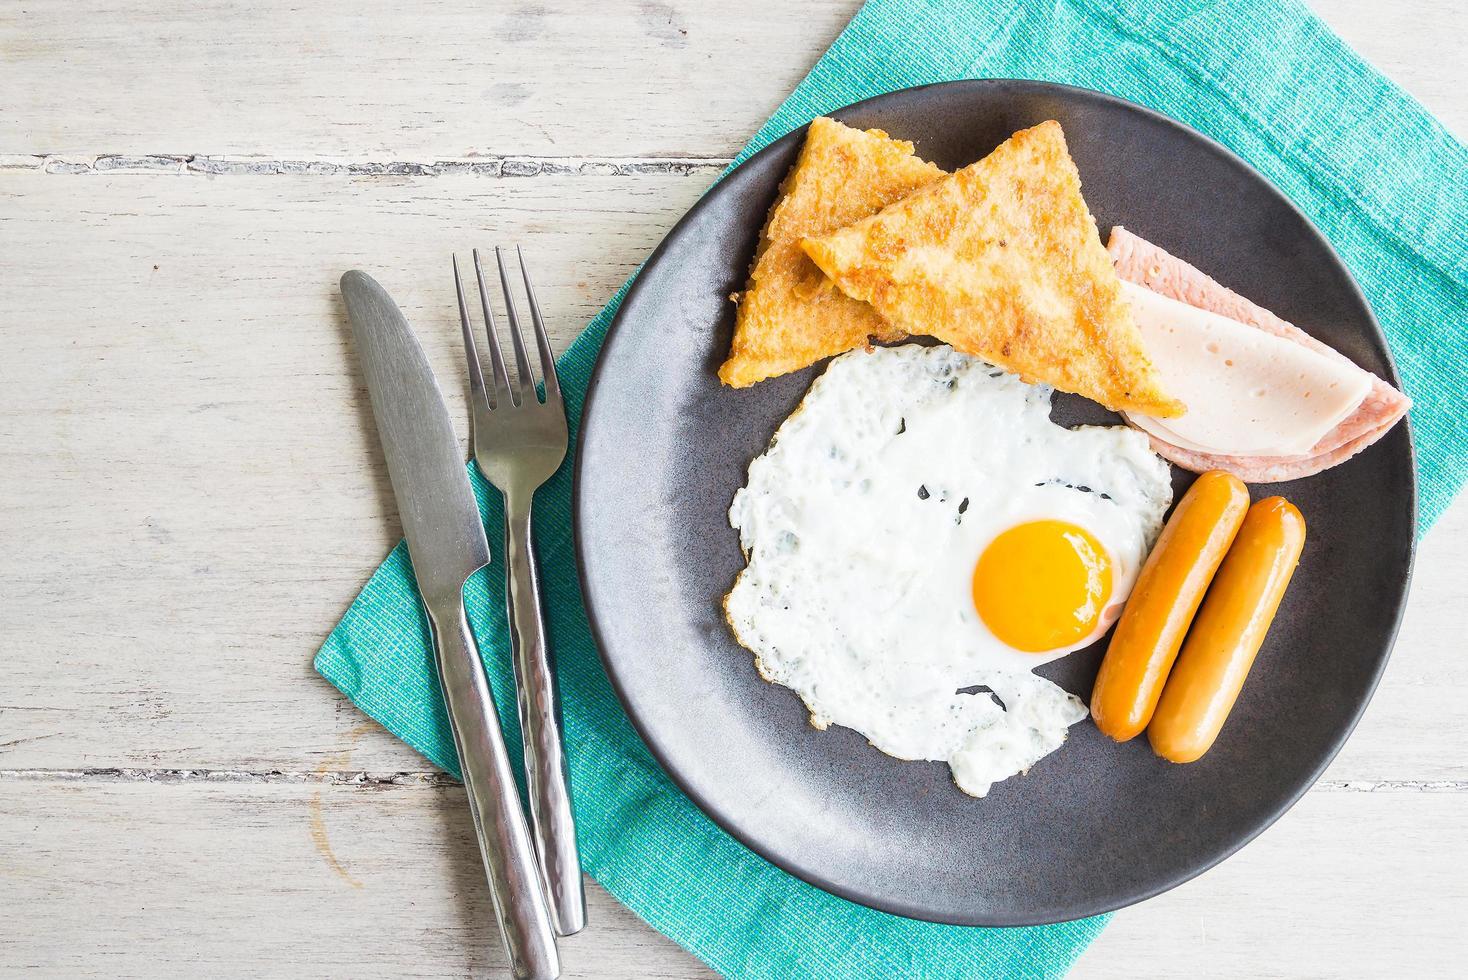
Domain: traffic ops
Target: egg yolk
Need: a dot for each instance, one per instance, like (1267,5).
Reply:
(1042,585)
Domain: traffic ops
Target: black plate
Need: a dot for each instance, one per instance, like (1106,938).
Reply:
(1096,825)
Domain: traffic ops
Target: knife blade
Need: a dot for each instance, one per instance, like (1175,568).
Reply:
(446,543)
(439,515)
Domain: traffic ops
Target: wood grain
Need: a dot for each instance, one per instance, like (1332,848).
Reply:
(190,491)
(438,79)
(268,880)
(422,81)
(232,878)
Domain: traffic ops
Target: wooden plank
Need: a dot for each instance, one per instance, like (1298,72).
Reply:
(177,371)
(149,879)
(298,879)
(422,81)
(443,80)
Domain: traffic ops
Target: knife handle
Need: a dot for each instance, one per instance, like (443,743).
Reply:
(494,800)
(540,722)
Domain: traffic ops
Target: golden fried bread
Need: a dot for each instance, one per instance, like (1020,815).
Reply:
(1002,260)
(790,315)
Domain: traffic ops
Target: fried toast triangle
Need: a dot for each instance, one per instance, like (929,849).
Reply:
(790,315)
(1002,260)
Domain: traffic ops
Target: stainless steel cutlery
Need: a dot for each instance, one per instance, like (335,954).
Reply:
(447,544)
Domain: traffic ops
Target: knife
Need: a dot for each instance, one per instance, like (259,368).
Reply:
(446,544)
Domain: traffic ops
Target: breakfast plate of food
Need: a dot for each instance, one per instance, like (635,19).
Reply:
(995,503)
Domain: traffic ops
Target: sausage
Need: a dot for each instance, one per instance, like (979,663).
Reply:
(1164,599)
(1229,629)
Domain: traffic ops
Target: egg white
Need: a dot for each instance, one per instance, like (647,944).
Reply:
(862,523)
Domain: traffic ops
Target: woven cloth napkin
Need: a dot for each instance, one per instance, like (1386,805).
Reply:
(1381,178)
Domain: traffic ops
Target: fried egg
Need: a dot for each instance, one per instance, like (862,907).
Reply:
(919,536)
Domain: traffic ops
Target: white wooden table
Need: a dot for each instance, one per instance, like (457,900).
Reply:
(191,492)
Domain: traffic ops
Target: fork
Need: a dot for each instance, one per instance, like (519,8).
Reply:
(519,442)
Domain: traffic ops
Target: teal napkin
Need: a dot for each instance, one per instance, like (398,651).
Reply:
(1381,178)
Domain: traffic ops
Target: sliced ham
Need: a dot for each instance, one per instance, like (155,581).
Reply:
(1249,392)
(1263,469)
(1139,261)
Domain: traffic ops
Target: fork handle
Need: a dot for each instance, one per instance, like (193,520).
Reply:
(494,802)
(540,722)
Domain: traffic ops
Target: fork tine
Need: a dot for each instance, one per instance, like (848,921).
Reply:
(522,362)
(471,351)
(501,379)
(547,359)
